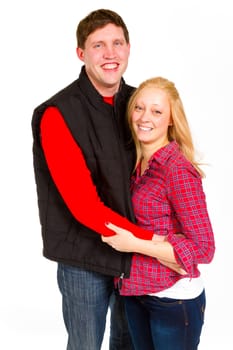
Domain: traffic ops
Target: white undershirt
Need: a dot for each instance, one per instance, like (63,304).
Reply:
(185,288)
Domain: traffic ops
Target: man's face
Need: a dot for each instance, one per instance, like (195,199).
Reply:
(105,57)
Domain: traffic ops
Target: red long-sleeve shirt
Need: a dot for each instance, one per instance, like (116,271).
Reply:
(73,180)
(169,199)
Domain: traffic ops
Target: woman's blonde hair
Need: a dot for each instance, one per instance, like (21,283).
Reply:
(179,130)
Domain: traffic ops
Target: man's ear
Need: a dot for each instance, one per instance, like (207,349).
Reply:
(80,53)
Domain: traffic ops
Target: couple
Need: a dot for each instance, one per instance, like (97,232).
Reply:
(121,218)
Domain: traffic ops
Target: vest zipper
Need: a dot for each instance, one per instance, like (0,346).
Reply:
(120,281)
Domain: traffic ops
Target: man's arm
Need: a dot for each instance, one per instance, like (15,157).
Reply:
(73,179)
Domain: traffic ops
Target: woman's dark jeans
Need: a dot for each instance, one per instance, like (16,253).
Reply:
(164,323)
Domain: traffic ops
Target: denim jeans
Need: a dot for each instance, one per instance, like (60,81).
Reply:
(165,324)
(86,296)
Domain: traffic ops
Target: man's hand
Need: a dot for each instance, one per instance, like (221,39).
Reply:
(123,240)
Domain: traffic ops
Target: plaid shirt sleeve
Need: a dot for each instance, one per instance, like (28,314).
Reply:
(185,193)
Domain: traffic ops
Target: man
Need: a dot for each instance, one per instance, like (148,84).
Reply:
(81,138)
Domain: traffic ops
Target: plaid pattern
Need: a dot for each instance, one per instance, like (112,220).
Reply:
(169,199)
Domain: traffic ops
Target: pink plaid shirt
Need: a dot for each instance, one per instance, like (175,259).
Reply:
(169,199)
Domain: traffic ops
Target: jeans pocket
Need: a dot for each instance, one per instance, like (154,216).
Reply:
(201,305)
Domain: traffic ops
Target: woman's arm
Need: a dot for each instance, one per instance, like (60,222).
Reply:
(196,243)
(158,248)
(186,195)
(73,179)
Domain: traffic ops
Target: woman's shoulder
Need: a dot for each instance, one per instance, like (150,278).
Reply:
(177,162)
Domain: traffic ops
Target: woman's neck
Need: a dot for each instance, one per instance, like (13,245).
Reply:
(149,149)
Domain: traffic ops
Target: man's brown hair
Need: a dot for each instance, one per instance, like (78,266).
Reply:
(95,20)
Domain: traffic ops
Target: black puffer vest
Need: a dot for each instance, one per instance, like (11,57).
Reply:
(102,133)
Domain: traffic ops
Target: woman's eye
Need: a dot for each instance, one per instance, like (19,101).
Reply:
(138,108)
(156,112)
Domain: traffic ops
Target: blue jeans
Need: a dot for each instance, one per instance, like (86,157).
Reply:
(165,324)
(86,296)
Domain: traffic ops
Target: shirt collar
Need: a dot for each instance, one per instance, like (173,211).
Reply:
(163,154)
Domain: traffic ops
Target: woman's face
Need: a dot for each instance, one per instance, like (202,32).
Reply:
(151,117)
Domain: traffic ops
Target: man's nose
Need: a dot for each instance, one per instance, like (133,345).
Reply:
(109,51)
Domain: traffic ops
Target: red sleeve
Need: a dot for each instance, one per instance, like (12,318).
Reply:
(185,193)
(73,180)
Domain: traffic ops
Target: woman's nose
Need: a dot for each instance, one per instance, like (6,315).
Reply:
(144,117)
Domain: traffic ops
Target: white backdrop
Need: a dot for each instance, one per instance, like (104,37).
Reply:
(189,42)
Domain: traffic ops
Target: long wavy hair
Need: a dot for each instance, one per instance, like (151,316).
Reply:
(179,131)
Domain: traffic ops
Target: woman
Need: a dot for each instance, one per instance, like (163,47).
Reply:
(165,309)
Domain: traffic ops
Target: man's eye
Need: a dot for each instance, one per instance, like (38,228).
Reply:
(96,46)
(117,43)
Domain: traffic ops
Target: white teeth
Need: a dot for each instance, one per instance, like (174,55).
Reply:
(143,128)
(110,66)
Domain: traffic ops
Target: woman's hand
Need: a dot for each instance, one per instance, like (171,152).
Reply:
(125,241)
(173,266)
